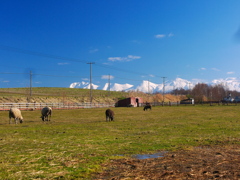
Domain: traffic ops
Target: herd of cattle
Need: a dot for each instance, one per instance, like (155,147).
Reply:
(46,114)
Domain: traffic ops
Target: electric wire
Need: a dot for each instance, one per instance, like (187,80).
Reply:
(35,74)
(18,50)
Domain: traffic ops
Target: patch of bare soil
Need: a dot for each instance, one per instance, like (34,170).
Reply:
(215,162)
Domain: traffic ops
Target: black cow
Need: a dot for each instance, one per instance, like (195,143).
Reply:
(147,106)
(109,115)
(46,113)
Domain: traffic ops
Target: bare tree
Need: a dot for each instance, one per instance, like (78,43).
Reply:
(218,92)
(200,92)
(204,92)
(180,91)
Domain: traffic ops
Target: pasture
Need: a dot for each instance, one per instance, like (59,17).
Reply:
(75,142)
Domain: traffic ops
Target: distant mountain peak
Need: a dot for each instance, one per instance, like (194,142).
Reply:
(83,85)
(146,86)
(121,87)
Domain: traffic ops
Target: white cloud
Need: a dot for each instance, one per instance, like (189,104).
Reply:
(93,50)
(85,79)
(203,69)
(124,59)
(159,36)
(61,64)
(133,57)
(215,69)
(135,42)
(105,63)
(115,59)
(230,72)
(107,77)
(5,81)
(151,75)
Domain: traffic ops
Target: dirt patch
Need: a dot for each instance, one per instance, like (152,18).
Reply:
(215,162)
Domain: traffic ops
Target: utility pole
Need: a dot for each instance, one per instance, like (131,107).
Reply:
(163,87)
(189,88)
(30,83)
(109,85)
(148,86)
(91,80)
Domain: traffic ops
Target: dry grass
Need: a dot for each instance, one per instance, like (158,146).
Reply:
(72,95)
(76,142)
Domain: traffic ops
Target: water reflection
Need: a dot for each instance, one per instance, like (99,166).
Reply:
(147,156)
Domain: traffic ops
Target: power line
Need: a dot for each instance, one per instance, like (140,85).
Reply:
(59,76)
(46,75)
(122,70)
(12,73)
(34,53)
(50,75)
(126,78)
(163,87)
(116,77)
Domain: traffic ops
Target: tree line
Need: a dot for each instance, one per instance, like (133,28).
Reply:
(204,92)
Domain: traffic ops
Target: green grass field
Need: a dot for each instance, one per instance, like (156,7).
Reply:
(75,142)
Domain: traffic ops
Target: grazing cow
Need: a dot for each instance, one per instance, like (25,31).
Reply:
(46,113)
(16,114)
(109,115)
(147,106)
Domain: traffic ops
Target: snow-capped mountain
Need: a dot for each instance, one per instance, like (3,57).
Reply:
(180,83)
(232,83)
(83,85)
(150,87)
(118,87)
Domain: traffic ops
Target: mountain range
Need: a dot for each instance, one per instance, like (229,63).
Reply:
(231,83)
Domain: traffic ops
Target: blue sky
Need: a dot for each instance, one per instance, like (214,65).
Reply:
(130,40)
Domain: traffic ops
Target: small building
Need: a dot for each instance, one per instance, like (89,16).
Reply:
(228,99)
(130,102)
(187,101)
(237,99)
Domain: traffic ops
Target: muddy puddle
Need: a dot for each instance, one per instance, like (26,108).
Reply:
(148,156)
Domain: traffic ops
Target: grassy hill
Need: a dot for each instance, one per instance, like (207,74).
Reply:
(71,95)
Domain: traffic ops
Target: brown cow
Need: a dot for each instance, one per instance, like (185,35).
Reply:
(109,115)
